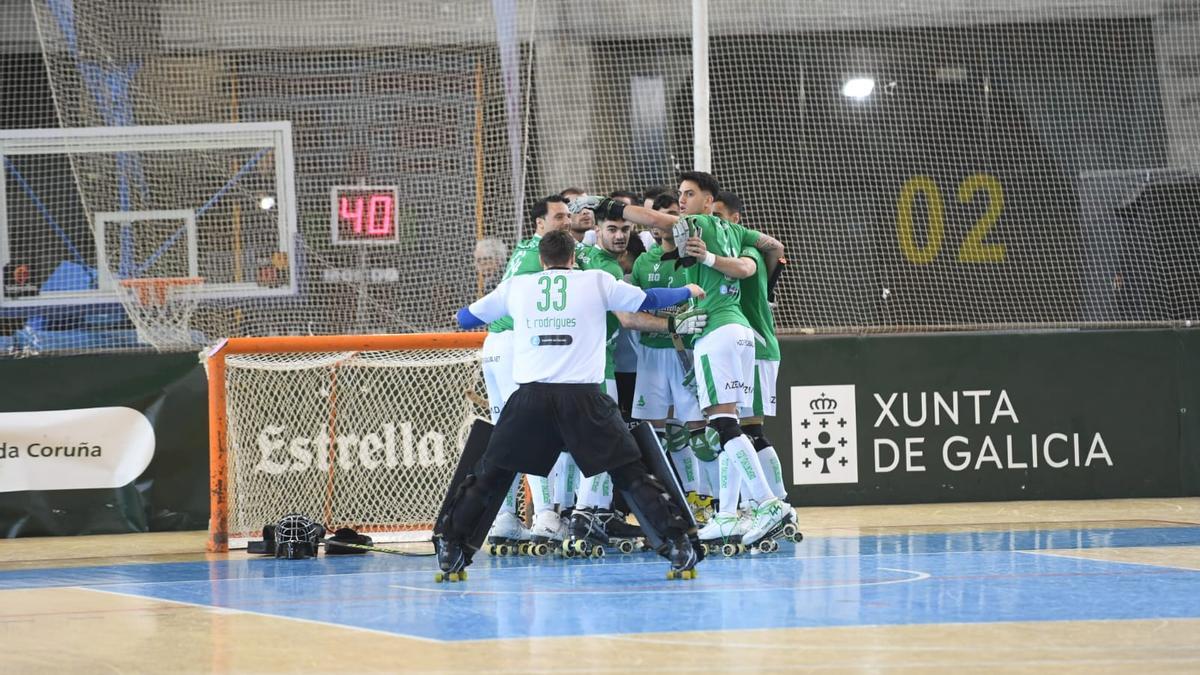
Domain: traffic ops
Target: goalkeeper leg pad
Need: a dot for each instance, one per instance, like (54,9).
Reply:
(654,494)
(473,449)
(476,493)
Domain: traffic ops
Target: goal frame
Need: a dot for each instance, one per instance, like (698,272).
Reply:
(214,359)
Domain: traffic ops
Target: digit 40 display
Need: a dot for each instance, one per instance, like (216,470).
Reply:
(363,214)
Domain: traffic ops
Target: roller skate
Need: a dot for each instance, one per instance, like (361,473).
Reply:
(453,560)
(683,557)
(587,537)
(702,506)
(723,534)
(787,529)
(546,535)
(763,519)
(508,535)
(622,535)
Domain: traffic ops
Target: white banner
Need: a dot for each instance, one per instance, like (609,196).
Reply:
(73,449)
(824,435)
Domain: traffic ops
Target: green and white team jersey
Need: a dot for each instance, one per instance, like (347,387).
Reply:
(651,271)
(524,260)
(758,310)
(723,293)
(596,258)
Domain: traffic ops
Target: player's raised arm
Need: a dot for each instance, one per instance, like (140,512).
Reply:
(728,207)
(610,209)
(771,249)
(490,307)
(737,268)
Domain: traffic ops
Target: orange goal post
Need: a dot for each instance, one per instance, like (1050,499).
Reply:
(359,431)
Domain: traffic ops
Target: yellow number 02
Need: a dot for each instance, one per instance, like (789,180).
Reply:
(973,250)
(904,228)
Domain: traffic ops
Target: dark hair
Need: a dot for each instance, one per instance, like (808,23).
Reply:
(572,190)
(556,248)
(542,206)
(706,181)
(730,200)
(663,201)
(636,246)
(654,191)
(633,197)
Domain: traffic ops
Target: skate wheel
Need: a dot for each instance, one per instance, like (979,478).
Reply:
(540,550)
(504,549)
(625,547)
(728,550)
(741,548)
(462,575)
(789,530)
(767,546)
(670,575)
(491,549)
(438,577)
(452,577)
(688,574)
(597,552)
(581,547)
(797,537)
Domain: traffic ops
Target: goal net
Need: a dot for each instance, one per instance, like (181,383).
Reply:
(351,431)
(928,164)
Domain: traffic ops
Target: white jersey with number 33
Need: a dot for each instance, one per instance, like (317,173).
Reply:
(558,321)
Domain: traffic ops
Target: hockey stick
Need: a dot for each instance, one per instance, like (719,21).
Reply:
(374,549)
(477,399)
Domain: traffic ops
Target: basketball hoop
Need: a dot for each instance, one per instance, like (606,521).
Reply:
(161,309)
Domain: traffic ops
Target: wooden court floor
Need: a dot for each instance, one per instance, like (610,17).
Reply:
(1100,586)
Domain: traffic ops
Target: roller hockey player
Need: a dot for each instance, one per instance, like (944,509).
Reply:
(710,251)
(558,363)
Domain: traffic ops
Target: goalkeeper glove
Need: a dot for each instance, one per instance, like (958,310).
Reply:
(603,207)
(680,232)
(690,322)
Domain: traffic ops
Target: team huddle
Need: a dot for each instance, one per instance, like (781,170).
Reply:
(702,374)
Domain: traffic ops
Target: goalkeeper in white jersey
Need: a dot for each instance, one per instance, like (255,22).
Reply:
(559,328)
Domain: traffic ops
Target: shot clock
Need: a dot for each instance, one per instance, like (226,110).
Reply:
(363,214)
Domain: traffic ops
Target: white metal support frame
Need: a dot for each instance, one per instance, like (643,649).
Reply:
(252,135)
(701,139)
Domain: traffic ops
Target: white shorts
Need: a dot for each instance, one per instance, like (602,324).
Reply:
(660,387)
(497,370)
(762,390)
(724,366)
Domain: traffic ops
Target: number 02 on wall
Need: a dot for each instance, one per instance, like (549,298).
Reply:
(973,248)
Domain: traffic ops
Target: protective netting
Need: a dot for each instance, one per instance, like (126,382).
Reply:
(367,440)
(928,164)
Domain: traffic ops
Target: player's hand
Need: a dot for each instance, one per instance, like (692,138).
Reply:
(696,291)
(690,322)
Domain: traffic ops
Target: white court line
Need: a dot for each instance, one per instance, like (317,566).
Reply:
(235,610)
(1066,556)
(678,587)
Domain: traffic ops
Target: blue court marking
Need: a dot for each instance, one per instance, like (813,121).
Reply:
(853,581)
